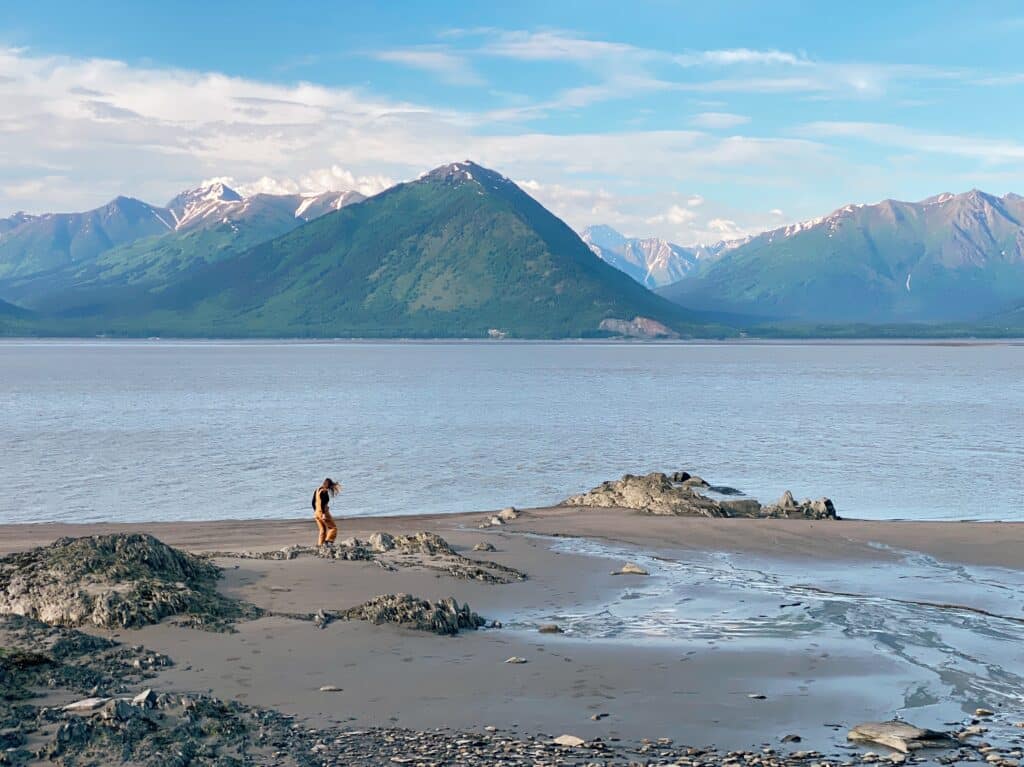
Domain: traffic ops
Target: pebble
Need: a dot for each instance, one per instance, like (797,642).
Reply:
(330,688)
(571,741)
(516,659)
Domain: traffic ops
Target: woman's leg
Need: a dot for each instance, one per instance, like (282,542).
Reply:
(321,530)
(330,527)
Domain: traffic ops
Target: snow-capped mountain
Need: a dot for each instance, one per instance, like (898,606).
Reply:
(947,257)
(218,203)
(649,260)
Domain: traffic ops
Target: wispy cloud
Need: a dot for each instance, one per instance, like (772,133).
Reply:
(989,150)
(718,120)
(449,67)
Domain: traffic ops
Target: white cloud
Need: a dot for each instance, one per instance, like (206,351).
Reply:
(718,120)
(676,214)
(777,212)
(694,200)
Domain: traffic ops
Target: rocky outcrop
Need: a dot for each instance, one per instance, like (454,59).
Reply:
(638,327)
(657,493)
(446,616)
(114,581)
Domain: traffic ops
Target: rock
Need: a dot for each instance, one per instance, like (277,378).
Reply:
(741,507)
(322,619)
(495,521)
(446,616)
(145,699)
(381,542)
(680,476)
(638,327)
(897,735)
(516,659)
(484,546)
(599,717)
(86,704)
(631,568)
(983,712)
(114,581)
(550,628)
(330,688)
(694,481)
(569,741)
(787,508)
(508,514)
(117,711)
(756,696)
(653,494)
(791,738)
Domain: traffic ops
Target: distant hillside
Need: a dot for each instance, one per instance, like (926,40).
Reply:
(460,252)
(950,258)
(37,244)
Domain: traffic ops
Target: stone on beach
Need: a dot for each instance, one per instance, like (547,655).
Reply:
(550,628)
(897,735)
(630,568)
(86,704)
(516,660)
(484,546)
(570,741)
(508,514)
(330,688)
(146,699)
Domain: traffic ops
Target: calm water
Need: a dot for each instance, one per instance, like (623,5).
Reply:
(172,430)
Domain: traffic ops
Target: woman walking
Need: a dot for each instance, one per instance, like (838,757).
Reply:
(326,527)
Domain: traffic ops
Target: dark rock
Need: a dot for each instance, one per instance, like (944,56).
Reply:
(446,616)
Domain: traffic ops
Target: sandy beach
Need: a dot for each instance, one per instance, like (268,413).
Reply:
(751,678)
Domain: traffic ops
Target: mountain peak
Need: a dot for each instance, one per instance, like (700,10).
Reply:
(467,171)
(196,204)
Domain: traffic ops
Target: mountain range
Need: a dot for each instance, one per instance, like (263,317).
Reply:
(948,258)
(461,251)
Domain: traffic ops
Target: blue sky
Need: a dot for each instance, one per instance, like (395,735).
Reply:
(690,121)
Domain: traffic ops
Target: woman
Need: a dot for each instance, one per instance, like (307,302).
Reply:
(328,531)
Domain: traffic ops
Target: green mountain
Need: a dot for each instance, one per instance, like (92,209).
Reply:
(460,252)
(39,244)
(950,258)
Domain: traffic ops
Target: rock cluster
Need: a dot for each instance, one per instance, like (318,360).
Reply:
(425,549)
(114,581)
(446,616)
(657,493)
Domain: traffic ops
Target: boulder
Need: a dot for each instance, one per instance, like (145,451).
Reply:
(484,546)
(550,628)
(694,482)
(788,508)
(145,699)
(899,736)
(86,704)
(740,507)
(508,514)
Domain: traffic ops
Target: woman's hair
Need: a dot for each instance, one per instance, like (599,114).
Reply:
(331,486)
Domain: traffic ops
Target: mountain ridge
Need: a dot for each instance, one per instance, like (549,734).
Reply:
(949,257)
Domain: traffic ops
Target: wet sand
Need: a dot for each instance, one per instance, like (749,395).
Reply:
(696,690)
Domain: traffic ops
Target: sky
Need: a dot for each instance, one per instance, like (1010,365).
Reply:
(691,121)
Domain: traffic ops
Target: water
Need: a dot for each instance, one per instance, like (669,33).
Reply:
(136,431)
(953,631)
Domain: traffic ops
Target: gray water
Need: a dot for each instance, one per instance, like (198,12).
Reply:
(159,430)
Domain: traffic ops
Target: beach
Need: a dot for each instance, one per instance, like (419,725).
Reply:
(732,640)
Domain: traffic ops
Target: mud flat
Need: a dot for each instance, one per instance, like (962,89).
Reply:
(744,634)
